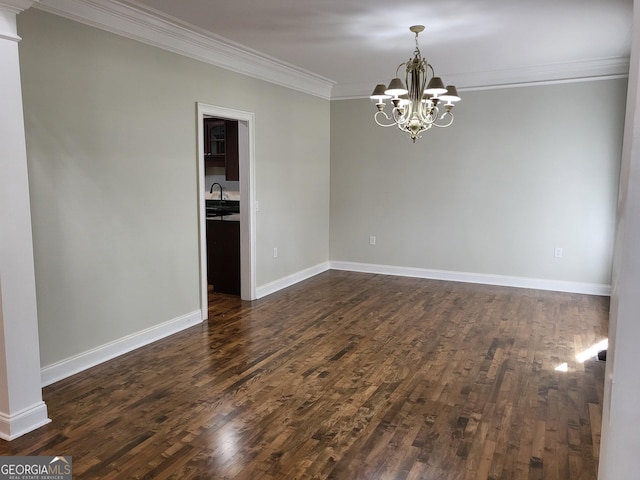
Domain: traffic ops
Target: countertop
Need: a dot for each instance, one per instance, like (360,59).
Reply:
(234,217)
(226,211)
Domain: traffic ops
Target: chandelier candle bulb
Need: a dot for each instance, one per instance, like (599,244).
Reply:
(415,102)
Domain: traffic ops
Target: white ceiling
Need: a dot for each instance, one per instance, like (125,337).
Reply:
(358,43)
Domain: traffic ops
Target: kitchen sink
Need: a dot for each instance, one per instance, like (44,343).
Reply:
(217,208)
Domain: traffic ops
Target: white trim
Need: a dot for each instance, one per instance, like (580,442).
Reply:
(573,71)
(247,200)
(292,279)
(72,365)
(24,421)
(202,223)
(16,6)
(13,38)
(482,278)
(153,28)
(542,83)
(445,275)
(602,69)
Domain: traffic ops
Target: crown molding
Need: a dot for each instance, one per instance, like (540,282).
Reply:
(554,73)
(16,6)
(9,9)
(588,70)
(152,29)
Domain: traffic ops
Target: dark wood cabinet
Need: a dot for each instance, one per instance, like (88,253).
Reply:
(223,256)
(214,141)
(221,146)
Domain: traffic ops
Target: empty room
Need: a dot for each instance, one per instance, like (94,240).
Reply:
(222,256)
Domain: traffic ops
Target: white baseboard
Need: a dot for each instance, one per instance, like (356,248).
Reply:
(24,421)
(503,280)
(292,279)
(72,365)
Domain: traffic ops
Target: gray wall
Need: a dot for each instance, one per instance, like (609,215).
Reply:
(111,145)
(521,171)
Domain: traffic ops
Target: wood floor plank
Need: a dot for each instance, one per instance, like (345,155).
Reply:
(346,376)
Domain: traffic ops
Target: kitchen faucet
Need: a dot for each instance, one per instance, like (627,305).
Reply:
(211,189)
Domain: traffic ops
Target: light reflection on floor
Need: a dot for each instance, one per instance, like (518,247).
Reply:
(593,350)
(590,352)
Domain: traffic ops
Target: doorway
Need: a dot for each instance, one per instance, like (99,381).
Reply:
(246,157)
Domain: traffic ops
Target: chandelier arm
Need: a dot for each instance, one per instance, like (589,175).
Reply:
(430,116)
(424,115)
(375,117)
(404,118)
(444,115)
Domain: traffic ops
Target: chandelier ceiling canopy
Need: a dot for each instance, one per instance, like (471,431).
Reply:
(423,103)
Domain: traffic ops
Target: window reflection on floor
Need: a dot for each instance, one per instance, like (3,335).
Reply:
(590,352)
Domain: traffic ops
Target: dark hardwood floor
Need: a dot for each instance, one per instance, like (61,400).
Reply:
(346,376)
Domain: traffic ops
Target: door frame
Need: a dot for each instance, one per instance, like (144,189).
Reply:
(246,146)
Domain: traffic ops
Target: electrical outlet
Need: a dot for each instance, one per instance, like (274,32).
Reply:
(372,240)
(275,252)
(557,252)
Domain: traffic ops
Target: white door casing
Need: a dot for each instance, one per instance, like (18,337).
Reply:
(246,147)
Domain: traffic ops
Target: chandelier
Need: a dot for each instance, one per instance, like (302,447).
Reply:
(416,107)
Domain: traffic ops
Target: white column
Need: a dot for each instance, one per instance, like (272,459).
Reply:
(620,442)
(21,405)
